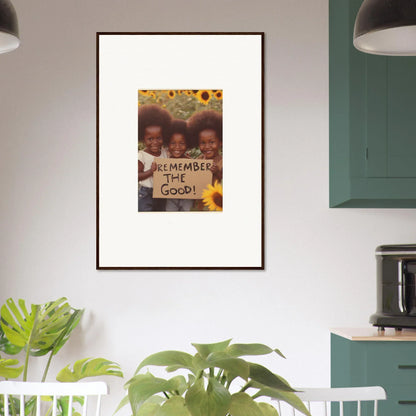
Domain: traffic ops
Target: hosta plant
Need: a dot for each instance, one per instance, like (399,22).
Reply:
(217,382)
(42,330)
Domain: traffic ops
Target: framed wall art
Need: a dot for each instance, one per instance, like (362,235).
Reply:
(180,176)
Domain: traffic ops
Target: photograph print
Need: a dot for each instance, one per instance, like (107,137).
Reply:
(180,158)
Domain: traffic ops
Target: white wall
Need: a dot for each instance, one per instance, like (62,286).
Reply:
(320,267)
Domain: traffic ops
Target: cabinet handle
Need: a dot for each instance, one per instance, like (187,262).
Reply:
(407,367)
(407,402)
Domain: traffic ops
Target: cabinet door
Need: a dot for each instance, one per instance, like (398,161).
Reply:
(390,364)
(372,120)
(390,117)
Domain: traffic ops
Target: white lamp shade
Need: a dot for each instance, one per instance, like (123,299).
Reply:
(400,41)
(386,27)
(9,32)
(8,42)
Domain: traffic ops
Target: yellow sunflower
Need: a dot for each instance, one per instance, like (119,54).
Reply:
(218,94)
(171,94)
(144,92)
(212,197)
(204,96)
(188,92)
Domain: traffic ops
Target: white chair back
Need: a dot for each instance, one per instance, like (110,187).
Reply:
(318,400)
(53,392)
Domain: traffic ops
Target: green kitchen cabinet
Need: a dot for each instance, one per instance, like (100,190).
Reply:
(387,363)
(372,120)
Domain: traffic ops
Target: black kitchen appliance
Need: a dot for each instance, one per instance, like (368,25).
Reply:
(396,286)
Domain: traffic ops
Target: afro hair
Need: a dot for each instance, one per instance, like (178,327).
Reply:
(205,120)
(178,126)
(153,115)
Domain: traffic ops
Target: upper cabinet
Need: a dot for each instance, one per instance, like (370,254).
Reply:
(372,120)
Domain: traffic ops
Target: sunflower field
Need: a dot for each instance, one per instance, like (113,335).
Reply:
(182,103)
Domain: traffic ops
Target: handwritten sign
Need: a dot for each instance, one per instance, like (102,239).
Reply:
(181,178)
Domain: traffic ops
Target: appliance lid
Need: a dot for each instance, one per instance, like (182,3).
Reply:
(396,250)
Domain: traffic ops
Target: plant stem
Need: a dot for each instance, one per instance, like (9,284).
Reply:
(45,372)
(58,341)
(48,412)
(12,406)
(166,395)
(220,371)
(29,341)
(26,363)
(245,387)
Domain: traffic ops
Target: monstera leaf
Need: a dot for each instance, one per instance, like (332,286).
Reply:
(6,346)
(89,367)
(8,368)
(70,324)
(38,329)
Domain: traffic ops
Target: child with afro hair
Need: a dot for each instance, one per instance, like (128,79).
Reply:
(154,124)
(206,130)
(178,143)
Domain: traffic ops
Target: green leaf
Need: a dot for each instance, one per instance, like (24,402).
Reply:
(214,401)
(71,324)
(6,346)
(206,349)
(264,376)
(38,329)
(243,405)
(89,367)
(191,380)
(286,396)
(179,384)
(156,399)
(238,350)
(143,386)
(267,409)
(147,409)
(63,404)
(123,402)
(236,366)
(199,363)
(178,359)
(8,369)
(175,406)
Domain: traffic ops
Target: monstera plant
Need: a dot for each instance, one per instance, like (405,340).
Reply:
(40,330)
(209,388)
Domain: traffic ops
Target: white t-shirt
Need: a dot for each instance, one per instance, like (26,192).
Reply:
(147,160)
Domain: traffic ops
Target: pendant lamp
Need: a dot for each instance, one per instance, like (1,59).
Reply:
(9,32)
(386,27)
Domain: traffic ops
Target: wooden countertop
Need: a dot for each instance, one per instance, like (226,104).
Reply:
(373,334)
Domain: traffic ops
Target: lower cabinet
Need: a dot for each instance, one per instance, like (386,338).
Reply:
(390,364)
